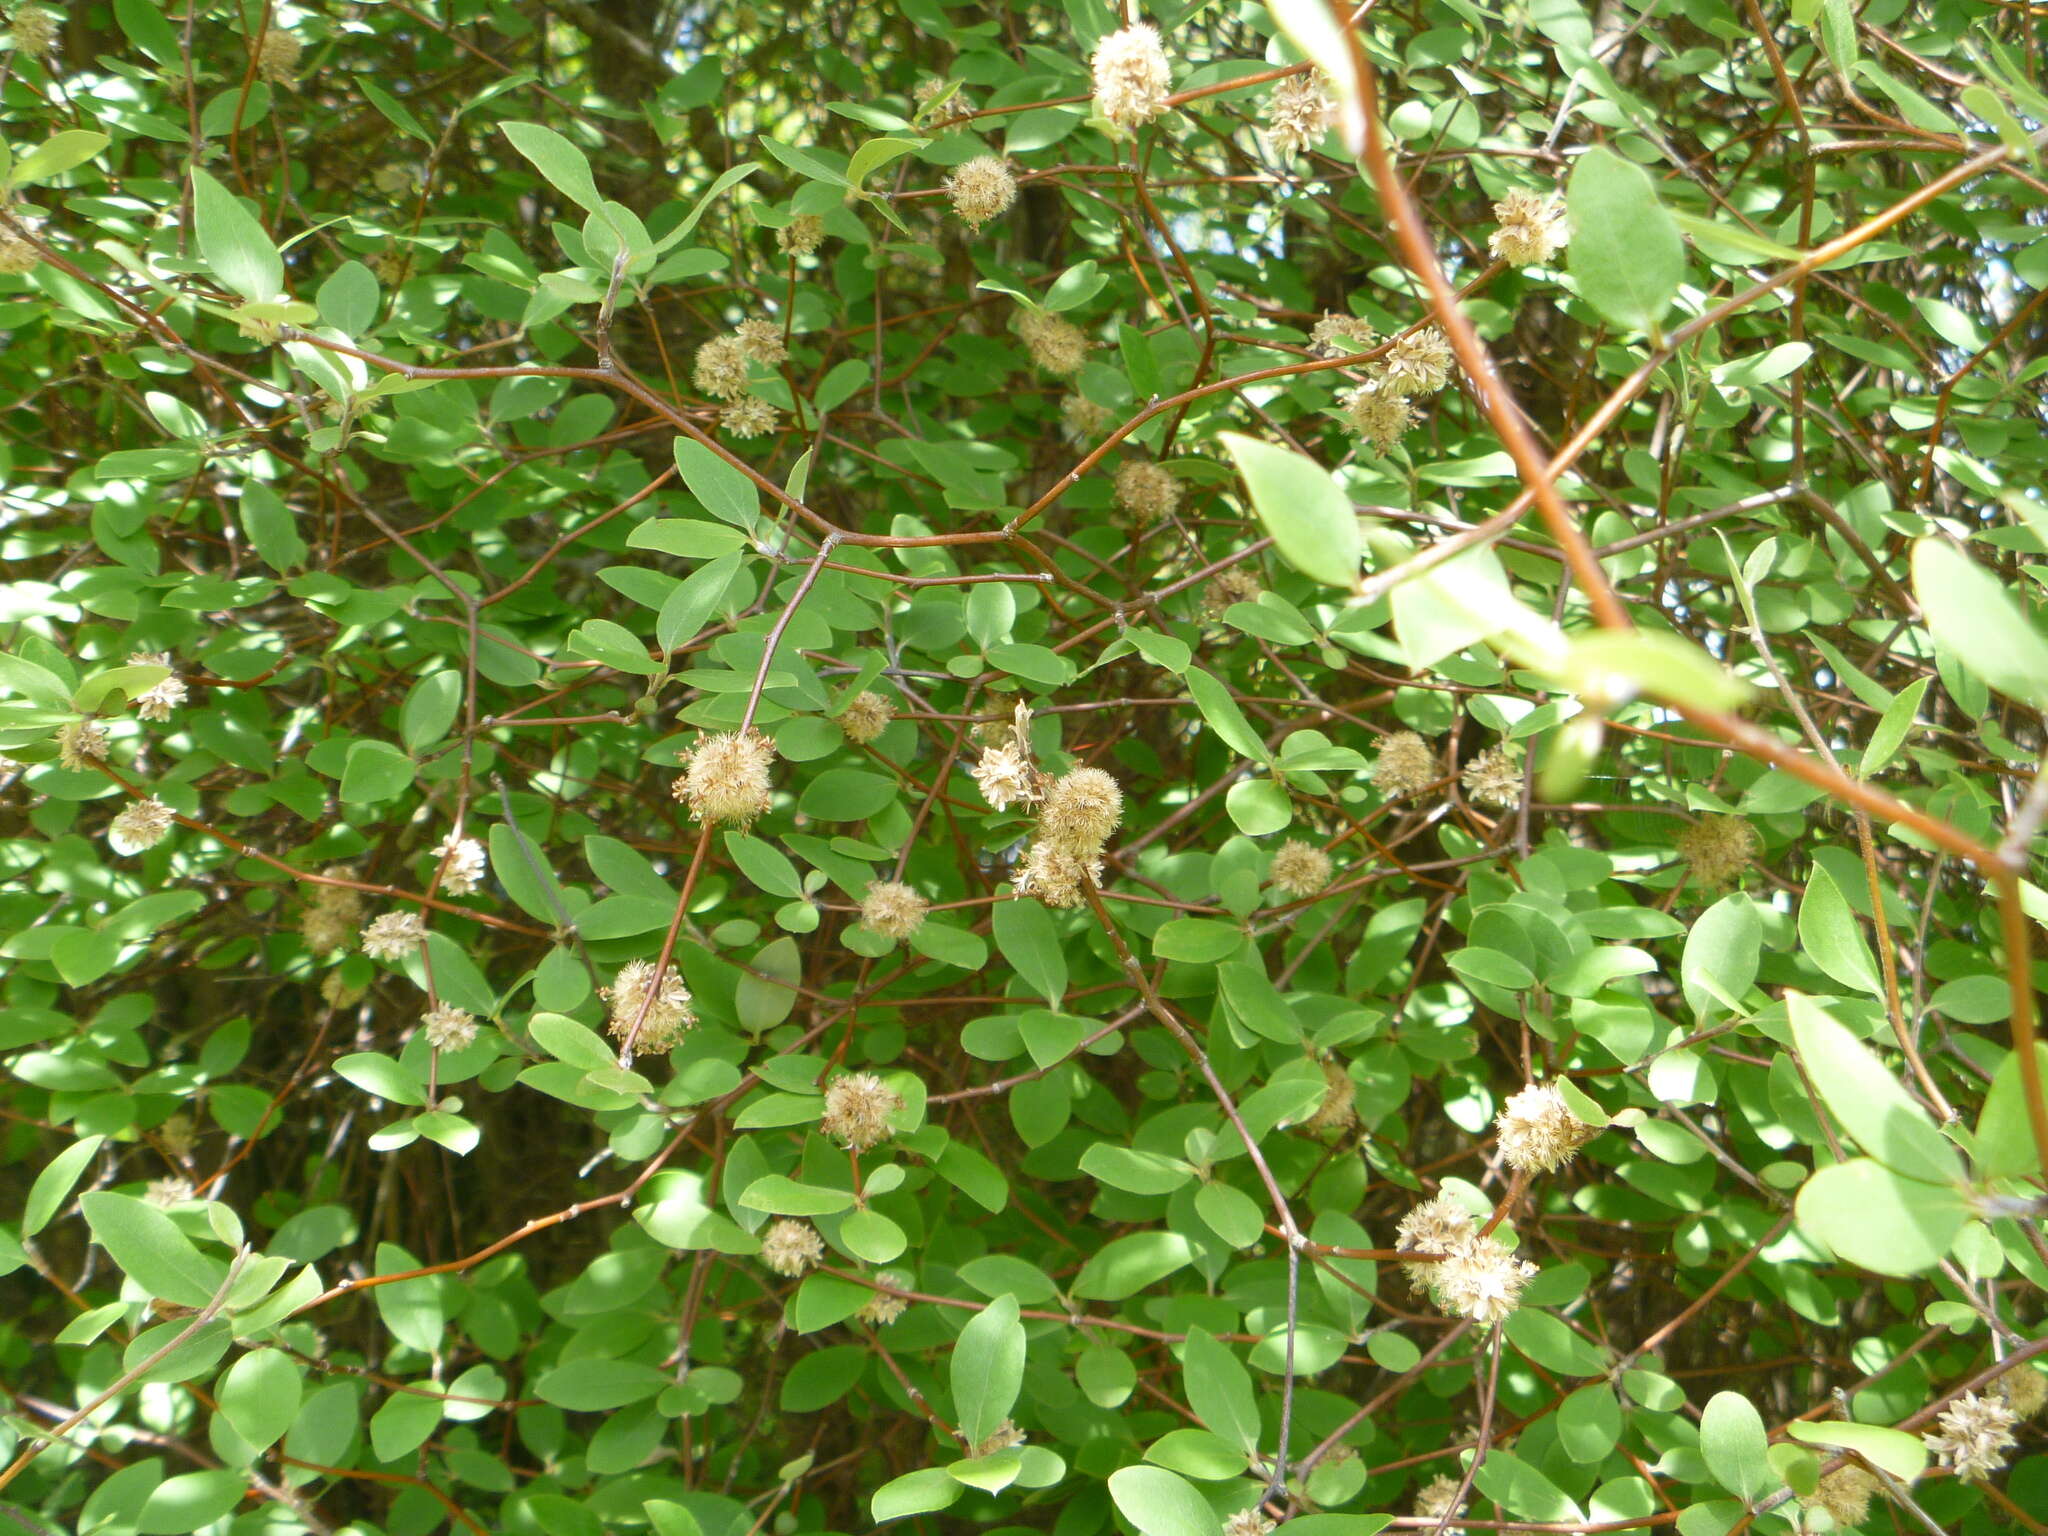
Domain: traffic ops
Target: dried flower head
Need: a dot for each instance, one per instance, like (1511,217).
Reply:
(857,1110)
(1299,112)
(139,825)
(17,256)
(333,912)
(463,864)
(1338,1110)
(178,1135)
(1300,869)
(1005,777)
(882,1309)
(761,339)
(81,744)
(1249,1522)
(1146,490)
(1538,1131)
(726,777)
(1419,363)
(865,717)
(2023,1389)
(1239,584)
(1719,849)
(668,1014)
(394,935)
(1057,875)
(1973,1435)
(892,909)
(1001,1438)
(1438,1225)
(1494,777)
(168,1192)
(277,56)
(1132,78)
(981,189)
(1532,228)
(1338,335)
(720,368)
(1438,1498)
(34,31)
(1481,1280)
(801,236)
(791,1247)
(1082,419)
(1081,809)
(1376,412)
(751,417)
(158,700)
(1845,1494)
(1404,765)
(1057,346)
(338,992)
(448,1028)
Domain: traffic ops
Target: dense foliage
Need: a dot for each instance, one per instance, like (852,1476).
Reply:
(771,768)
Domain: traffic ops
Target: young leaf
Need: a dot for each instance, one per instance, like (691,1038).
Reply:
(1974,615)
(1737,1451)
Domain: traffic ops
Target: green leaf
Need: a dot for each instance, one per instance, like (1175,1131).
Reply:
(1029,939)
(236,247)
(1301,505)
(375,771)
(1870,1216)
(599,1385)
(1625,255)
(2005,1135)
(431,705)
(726,493)
(780,1196)
(1133,1171)
(1737,1450)
(1621,664)
(57,154)
(54,1184)
(564,166)
(1161,1503)
(1220,710)
(260,1396)
(1973,615)
(381,1076)
(1903,1455)
(1126,1265)
(987,1369)
(1868,1100)
(1258,807)
(1831,937)
(151,1249)
(271,526)
(1722,953)
(1893,728)
(923,1492)
(1219,1389)
(1197,940)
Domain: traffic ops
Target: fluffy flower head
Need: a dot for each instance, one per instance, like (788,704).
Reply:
(751,417)
(668,1012)
(1973,1435)
(720,368)
(1438,1498)
(463,864)
(277,56)
(1378,413)
(857,1110)
(1845,1494)
(1338,335)
(1719,849)
(1132,77)
(1300,869)
(726,780)
(1057,346)
(2023,1389)
(1146,490)
(1299,113)
(865,717)
(761,339)
(81,744)
(1404,765)
(1419,363)
(1081,809)
(333,913)
(17,256)
(394,935)
(1056,875)
(1005,777)
(34,30)
(791,1247)
(1082,419)
(448,1028)
(801,236)
(1538,1131)
(982,189)
(139,825)
(1494,777)
(1339,1109)
(1532,229)
(157,701)
(1481,1280)
(892,909)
